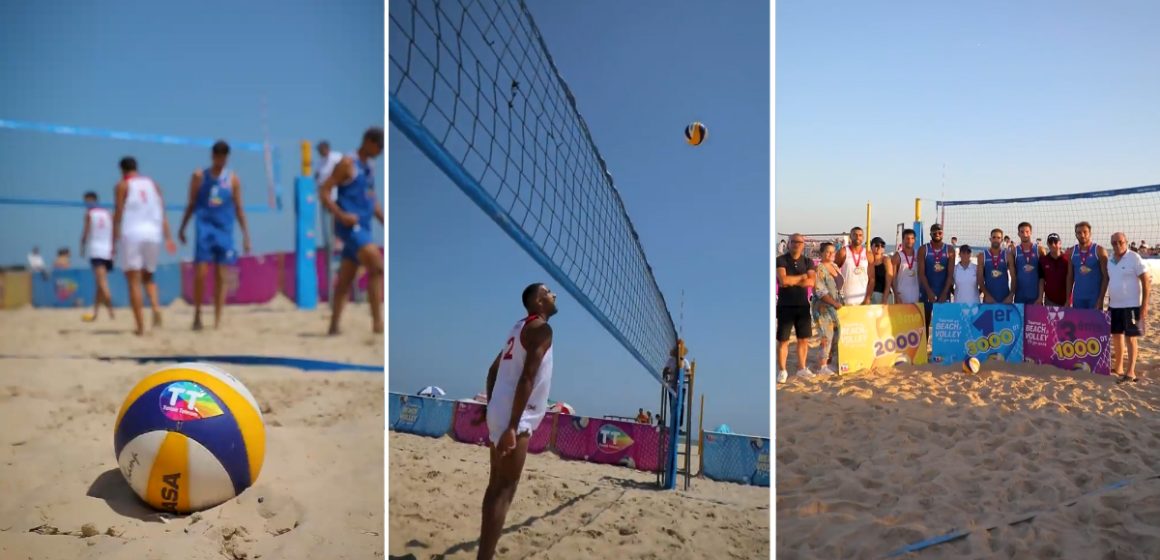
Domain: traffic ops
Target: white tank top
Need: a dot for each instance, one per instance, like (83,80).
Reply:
(511,367)
(967,283)
(906,286)
(100,243)
(855,276)
(143,213)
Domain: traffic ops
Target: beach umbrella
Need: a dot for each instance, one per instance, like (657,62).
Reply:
(432,391)
(561,407)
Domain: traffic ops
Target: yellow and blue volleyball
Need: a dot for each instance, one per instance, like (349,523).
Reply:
(189,437)
(695,133)
(971,365)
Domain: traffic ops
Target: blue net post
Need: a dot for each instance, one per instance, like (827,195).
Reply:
(919,235)
(675,405)
(305,213)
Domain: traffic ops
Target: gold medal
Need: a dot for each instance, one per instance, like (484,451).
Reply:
(910,272)
(1028,268)
(859,271)
(996,274)
(938,267)
(1083,269)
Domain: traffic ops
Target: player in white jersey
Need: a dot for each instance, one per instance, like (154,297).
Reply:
(97,244)
(854,265)
(906,288)
(139,227)
(517,398)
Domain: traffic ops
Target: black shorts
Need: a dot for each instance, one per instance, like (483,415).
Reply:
(795,318)
(107,263)
(1126,321)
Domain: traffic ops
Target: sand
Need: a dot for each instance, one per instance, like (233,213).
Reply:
(869,463)
(564,509)
(320,492)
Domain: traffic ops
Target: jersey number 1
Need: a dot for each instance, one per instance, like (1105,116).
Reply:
(510,344)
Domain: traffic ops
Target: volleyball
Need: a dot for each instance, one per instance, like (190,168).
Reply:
(695,133)
(971,365)
(189,437)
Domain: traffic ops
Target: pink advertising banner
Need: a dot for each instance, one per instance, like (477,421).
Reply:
(252,280)
(609,441)
(470,426)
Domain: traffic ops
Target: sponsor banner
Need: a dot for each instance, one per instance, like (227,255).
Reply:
(251,280)
(77,287)
(987,331)
(875,336)
(470,426)
(608,441)
(736,458)
(423,416)
(1067,338)
(15,289)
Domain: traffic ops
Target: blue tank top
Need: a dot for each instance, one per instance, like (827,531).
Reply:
(1027,271)
(357,196)
(996,277)
(215,200)
(1085,268)
(938,268)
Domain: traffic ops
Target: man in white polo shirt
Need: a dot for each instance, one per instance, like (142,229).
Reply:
(1128,287)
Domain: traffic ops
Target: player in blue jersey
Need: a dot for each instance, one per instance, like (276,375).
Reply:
(1087,278)
(934,268)
(994,271)
(215,198)
(353,209)
(1025,282)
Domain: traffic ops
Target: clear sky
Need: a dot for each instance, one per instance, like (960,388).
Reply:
(640,71)
(185,69)
(1015,98)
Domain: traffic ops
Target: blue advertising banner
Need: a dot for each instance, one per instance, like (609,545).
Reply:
(987,331)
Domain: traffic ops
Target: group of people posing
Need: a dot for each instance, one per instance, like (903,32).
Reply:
(137,229)
(1025,272)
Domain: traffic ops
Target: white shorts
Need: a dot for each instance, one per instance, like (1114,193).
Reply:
(499,416)
(140,255)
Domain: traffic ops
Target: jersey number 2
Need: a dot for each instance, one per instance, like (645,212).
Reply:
(510,344)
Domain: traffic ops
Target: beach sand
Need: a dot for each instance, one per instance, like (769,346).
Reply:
(320,491)
(872,462)
(564,509)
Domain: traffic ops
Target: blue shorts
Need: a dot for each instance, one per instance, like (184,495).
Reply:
(353,240)
(214,246)
(1083,302)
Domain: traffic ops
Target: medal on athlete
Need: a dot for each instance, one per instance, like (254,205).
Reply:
(1027,266)
(1083,256)
(995,262)
(857,263)
(909,264)
(938,267)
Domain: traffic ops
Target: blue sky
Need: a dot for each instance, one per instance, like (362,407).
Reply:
(1016,98)
(640,72)
(195,70)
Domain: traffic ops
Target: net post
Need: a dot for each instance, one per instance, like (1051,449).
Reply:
(689,416)
(305,217)
(868,238)
(919,235)
(917,210)
(701,439)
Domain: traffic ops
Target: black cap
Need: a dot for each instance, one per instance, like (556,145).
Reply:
(877,241)
(1053,238)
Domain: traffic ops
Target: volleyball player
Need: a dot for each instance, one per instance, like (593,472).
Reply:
(97,244)
(1025,282)
(139,227)
(215,197)
(518,383)
(352,210)
(1087,277)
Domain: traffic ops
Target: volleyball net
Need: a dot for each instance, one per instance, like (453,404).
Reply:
(473,86)
(1132,211)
